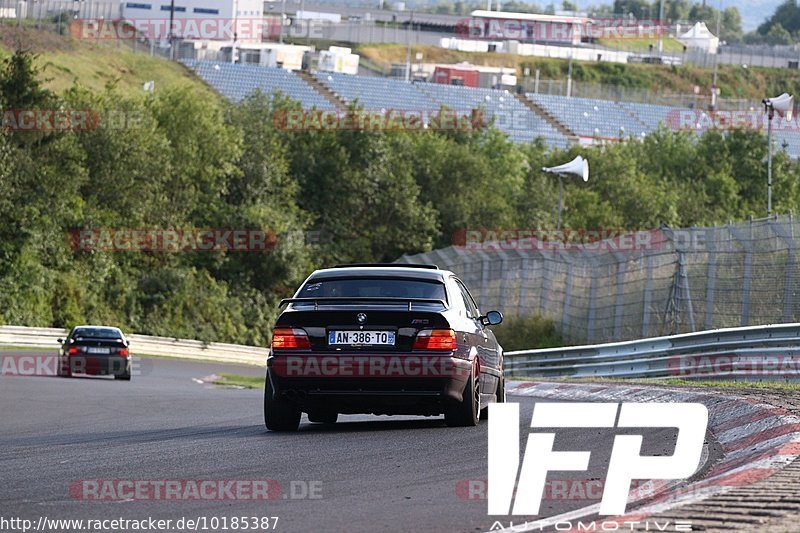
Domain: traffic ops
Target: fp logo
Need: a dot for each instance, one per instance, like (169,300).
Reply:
(626,463)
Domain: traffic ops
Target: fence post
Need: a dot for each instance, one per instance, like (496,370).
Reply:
(648,296)
(747,276)
(711,281)
(543,295)
(565,315)
(618,300)
(590,323)
(791,258)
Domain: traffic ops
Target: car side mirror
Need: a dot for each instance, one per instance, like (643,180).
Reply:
(492,318)
(60,340)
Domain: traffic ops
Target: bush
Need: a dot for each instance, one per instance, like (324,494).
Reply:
(528,333)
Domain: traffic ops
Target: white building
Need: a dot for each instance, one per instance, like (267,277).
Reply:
(213,20)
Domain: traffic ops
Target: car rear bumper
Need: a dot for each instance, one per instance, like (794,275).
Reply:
(99,365)
(377,383)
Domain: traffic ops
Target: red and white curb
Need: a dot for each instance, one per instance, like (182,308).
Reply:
(757,440)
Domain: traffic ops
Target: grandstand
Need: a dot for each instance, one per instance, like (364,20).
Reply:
(235,81)
(591,118)
(508,113)
(556,119)
(376,93)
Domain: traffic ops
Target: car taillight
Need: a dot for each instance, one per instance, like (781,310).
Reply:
(435,339)
(290,339)
(73,350)
(124,351)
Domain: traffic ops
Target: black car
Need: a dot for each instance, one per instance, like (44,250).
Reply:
(95,350)
(382,339)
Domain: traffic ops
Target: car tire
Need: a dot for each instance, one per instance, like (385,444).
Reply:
(467,411)
(64,369)
(279,414)
(124,377)
(500,394)
(323,417)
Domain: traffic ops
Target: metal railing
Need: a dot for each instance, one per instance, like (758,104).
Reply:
(756,352)
(45,338)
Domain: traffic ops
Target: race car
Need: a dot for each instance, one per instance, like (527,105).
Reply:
(95,350)
(385,339)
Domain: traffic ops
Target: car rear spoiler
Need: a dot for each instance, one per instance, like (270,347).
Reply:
(362,299)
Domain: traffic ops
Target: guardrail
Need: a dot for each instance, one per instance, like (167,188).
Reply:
(143,345)
(764,352)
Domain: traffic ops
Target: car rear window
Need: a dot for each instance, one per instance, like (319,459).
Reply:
(373,287)
(97,333)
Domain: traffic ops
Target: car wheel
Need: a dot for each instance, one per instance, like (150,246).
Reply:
(279,414)
(64,369)
(323,417)
(124,377)
(467,411)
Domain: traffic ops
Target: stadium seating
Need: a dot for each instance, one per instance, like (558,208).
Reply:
(588,118)
(376,93)
(235,81)
(591,118)
(650,115)
(509,114)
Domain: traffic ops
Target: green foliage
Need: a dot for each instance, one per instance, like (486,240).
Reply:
(180,160)
(527,333)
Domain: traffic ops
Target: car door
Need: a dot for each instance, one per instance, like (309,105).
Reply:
(484,341)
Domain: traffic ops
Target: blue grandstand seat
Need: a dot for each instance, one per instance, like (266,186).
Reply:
(235,81)
(591,118)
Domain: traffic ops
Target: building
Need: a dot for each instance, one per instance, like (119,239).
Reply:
(210,20)
(523,27)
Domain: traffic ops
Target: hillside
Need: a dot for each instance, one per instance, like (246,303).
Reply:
(734,81)
(65,61)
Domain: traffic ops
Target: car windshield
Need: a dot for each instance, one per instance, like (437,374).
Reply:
(373,287)
(97,333)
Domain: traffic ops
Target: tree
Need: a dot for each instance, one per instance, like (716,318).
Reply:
(787,15)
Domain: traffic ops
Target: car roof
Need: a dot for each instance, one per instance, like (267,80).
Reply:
(379,272)
(110,328)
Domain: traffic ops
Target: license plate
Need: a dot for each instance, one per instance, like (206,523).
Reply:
(361,338)
(98,350)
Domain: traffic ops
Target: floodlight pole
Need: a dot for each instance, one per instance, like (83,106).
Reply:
(770,114)
(560,199)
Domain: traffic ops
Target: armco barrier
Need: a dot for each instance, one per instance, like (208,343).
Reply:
(763,352)
(739,352)
(143,345)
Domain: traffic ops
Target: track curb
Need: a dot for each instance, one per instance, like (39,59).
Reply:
(757,439)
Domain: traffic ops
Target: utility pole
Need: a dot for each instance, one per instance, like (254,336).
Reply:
(661,28)
(716,62)
(408,47)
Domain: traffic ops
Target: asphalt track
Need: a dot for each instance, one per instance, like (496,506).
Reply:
(365,473)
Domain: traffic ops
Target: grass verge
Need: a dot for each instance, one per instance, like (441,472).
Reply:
(237,380)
